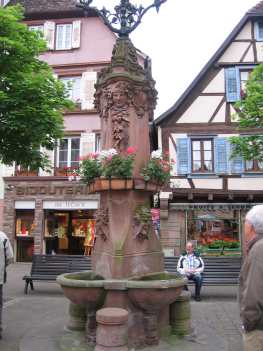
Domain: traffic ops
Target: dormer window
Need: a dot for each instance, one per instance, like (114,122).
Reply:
(259,30)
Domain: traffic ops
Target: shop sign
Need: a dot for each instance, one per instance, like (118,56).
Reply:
(56,190)
(70,205)
(25,205)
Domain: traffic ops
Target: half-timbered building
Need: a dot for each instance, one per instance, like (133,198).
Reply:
(210,192)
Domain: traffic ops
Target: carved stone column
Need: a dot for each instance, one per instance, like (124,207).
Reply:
(125,98)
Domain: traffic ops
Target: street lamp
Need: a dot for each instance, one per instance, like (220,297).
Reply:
(126,18)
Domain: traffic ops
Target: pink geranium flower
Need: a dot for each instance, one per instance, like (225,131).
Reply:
(131,150)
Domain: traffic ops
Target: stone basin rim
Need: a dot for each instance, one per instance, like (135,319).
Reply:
(157,284)
(67,280)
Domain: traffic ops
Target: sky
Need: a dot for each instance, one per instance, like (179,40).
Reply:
(182,38)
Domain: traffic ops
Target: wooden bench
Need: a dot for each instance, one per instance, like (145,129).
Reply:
(48,267)
(221,270)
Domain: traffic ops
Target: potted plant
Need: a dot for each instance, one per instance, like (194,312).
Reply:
(158,169)
(109,169)
(90,168)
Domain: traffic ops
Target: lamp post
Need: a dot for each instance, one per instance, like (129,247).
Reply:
(126,17)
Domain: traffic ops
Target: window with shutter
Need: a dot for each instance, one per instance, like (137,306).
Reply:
(232,84)
(88,82)
(183,156)
(202,155)
(73,87)
(259,30)
(222,154)
(68,152)
(64,36)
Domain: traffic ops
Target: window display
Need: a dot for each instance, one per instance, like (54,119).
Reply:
(70,232)
(214,230)
(24,222)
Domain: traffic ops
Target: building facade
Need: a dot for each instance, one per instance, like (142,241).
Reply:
(45,212)
(210,192)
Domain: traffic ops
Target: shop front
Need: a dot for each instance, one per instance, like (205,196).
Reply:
(57,217)
(215,229)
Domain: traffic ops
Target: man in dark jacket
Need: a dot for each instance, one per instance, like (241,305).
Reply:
(191,265)
(251,281)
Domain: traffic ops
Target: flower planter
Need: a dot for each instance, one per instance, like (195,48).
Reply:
(103,184)
(120,184)
(140,184)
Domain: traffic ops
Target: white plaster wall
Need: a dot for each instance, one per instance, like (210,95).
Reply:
(248,184)
(159,132)
(233,114)
(217,85)
(249,56)
(221,115)
(234,52)
(259,46)
(245,33)
(206,183)
(179,183)
(201,110)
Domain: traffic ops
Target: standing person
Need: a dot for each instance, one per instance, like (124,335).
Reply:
(192,266)
(6,255)
(251,281)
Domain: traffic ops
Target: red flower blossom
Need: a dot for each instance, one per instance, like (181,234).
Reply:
(131,150)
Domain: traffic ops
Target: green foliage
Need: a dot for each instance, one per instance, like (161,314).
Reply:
(251,117)
(143,214)
(157,170)
(118,166)
(90,168)
(31,99)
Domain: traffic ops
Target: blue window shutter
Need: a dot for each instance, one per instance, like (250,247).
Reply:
(183,156)
(237,163)
(221,155)
(232,84)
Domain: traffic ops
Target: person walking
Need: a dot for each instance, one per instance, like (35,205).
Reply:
(251,281)
(192,266)
(6,255)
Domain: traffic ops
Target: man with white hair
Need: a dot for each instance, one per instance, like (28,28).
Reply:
(191,265)
(251,281)
(6,255)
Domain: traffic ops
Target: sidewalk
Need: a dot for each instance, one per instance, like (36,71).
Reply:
(35,322)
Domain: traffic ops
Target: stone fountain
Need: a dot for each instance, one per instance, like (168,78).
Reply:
(127,261)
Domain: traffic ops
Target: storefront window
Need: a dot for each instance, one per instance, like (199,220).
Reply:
(24,235)
(216,230)
(69,232)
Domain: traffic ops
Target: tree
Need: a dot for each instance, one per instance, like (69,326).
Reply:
(251,118)
(32,100)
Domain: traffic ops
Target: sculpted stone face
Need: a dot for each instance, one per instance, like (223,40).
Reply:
(119,98)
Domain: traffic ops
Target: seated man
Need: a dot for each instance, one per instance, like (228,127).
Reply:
(191,265)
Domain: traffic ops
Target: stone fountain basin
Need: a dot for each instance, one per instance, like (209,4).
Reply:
(84,287)
(154,291)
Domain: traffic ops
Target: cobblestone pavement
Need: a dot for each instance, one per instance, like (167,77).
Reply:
(35,322)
